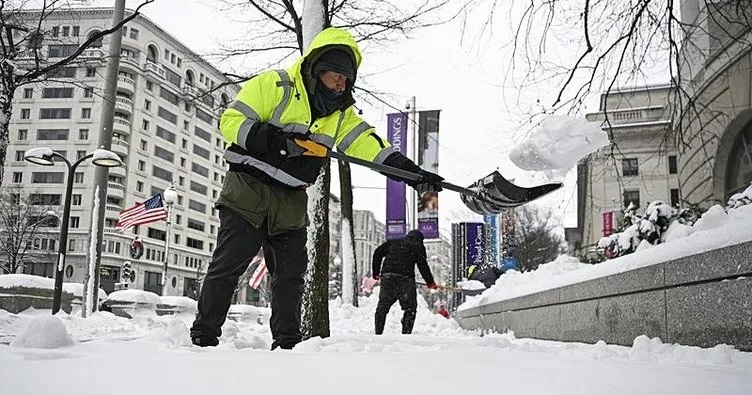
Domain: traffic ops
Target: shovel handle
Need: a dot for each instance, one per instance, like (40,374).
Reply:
(408,175)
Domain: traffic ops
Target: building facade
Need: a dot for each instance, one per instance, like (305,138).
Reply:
(638,167)
(716,126)
(369,234)
(165,131)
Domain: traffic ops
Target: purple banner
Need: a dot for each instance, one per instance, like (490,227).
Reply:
(428,159)
(475,243)
(396,212)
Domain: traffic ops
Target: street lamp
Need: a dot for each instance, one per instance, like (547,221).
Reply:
(170,196)
(44,156)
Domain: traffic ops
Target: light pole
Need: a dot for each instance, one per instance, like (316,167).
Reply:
(170,196)
(44,156)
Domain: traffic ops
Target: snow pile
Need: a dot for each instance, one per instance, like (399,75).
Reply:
(180,301)
(740,199)
(647,349)
(26,281)
(559,143)
(472,285)
(78,290)
(135,296)
(44,331)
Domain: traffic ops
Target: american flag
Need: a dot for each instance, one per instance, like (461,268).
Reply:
(259,274)
(151,210)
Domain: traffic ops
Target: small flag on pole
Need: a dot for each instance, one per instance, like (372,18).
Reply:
(151,210)
(260,272)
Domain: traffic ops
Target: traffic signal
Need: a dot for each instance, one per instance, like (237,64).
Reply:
(126,272)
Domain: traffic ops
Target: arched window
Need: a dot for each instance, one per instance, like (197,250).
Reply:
(225,100)
(739,165)
(98,42)
(152,54)
(189,78)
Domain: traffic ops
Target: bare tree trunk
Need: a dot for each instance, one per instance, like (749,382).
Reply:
(346,202)
(315,309)
(315,320)
(7,90)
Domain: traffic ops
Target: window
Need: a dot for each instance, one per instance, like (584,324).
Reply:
(149,86)
(169,96)
(172,77)
(165,134)
(71,246)
(212,229)
(178,219)
(167,54)
(202,134)
(633,197)
(172,58)
(52,134)
(673,167)
(60,50)
(75,222)
(157,234)
(156,190)
(83,134)
(214,193)
(86,113)
(78,177)
(66,31)
(52,177)
(145,124)
(20,156)
(629,167)
(184,144)
(202,152)
(164,154)
(54,113)
(161,173)
(25,113)
(144,145)
(17,176)
(167,115)
(182,162)
(76,31)
(80,154)
(194,243)
(45,199)
(197,225)
(139,186)
(204,116)
(147,104)
(186,125)
(134,34)
(23,134)
(76,200)
(57,93)
(675,197)
(91,72)
(181,180)
(180,200)
(55,31)
(200,188)
(177,240)
(198,169)
(196,206)
(88,92)
(28,93)
(141,165)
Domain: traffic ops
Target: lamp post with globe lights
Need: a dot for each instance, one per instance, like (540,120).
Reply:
(44,156)
(170,196)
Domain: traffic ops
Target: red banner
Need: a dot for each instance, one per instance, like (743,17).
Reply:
(608,223)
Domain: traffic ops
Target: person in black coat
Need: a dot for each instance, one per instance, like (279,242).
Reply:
(397,275)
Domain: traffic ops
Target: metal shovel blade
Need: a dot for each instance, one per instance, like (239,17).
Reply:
(494,194)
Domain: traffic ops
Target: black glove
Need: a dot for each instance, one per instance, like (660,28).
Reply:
(291,145)
(428,182)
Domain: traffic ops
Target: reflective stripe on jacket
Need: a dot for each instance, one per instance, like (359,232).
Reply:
(279,98)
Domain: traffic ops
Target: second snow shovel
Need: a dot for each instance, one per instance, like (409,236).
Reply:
(489,195)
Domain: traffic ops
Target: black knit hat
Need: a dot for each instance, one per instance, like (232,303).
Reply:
(336,60)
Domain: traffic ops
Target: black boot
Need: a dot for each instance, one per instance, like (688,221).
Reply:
(380,321)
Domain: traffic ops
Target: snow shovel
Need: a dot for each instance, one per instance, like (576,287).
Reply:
(489,195)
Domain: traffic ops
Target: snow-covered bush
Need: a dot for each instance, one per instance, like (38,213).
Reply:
(639,229)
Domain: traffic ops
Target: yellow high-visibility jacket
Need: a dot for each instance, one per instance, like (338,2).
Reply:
(279,97)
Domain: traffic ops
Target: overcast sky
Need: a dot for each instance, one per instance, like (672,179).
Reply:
(462,75)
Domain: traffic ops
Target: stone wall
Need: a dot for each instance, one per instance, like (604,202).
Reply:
(18,299)
(701,300)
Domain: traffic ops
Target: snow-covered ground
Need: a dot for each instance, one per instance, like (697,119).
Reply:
(152,355)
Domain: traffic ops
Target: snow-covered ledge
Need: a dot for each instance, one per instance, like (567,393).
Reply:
(701,300)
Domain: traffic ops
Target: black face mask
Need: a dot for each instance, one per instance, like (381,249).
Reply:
(326,101)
